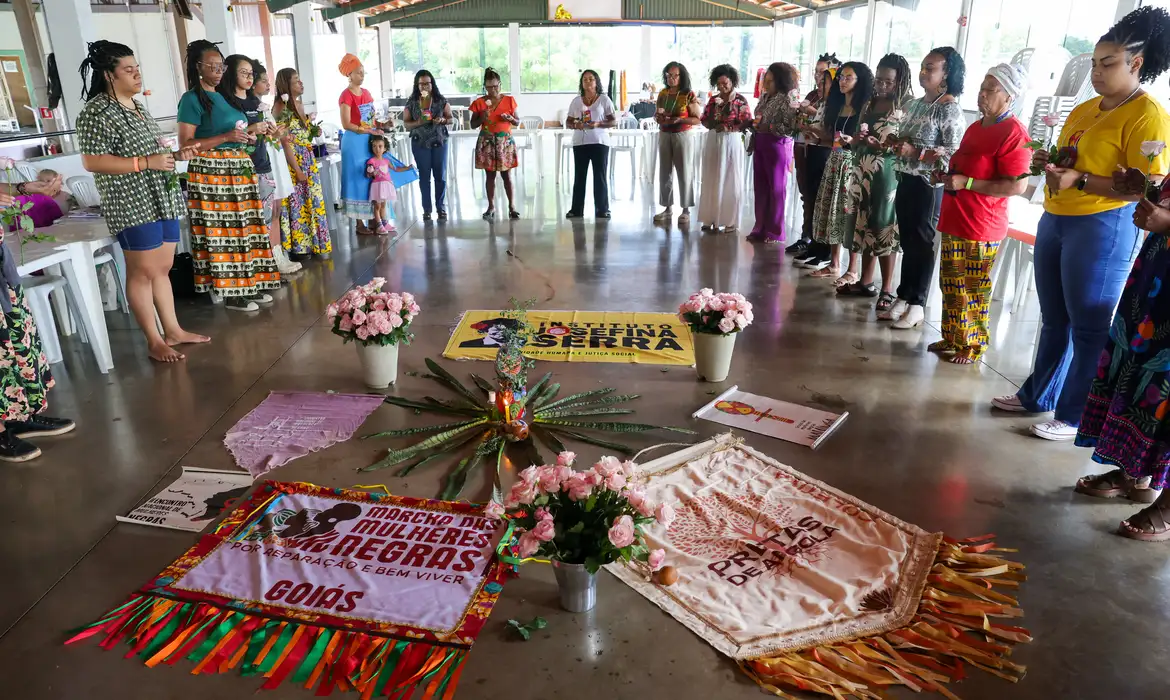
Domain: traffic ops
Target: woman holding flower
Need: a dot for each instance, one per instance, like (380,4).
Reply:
(590,114)
(989,166)
(304,228)
(357,121)
(426,117)
(495,149)
(133,167)
(678,113)
(1086,242)
(232,251)
(874,182)
(776,120)
(810,161)
(726,117)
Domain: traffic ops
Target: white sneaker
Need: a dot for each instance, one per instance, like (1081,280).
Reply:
(1054,430)
(1010,403)
(913,318)
(283,264)
(895,312)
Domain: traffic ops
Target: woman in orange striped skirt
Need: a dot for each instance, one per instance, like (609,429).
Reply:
(229,241)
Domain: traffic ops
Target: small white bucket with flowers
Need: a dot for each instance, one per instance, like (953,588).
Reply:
(377,322)
(715,320)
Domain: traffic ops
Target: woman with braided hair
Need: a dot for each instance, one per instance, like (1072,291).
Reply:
(230,244)
(1086,243)
(133,167)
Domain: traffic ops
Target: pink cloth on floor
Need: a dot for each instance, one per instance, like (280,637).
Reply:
(291,424)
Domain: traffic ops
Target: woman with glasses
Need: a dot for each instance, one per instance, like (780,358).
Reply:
(678,113)
(810,160)
(494,115)
(1086,243)
(426,117)
(230,244)
(357,119)
(133,168)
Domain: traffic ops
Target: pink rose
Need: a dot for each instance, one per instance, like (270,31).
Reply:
(607,465)
(726,325)
(332,310)
(346,324)
(706,292)
(407,298)
(629,468)
(378,318)
(715,304)
(657,559)
(415,308)
(545,530)
(394,304)
(494,510)
(548,480)
(579,487)
(1051,120)
(566,459)
(363,332)
(622,532)
(395,321)
(615,481)
(529,475)
(359,317)
(522,493)
(637,499)
(542,513)
(529,544)
(741,322)
(664,514)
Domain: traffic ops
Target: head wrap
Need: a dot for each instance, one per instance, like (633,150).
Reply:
(1014,81)
(349,63)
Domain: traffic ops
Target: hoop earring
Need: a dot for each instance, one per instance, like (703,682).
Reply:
(943,87)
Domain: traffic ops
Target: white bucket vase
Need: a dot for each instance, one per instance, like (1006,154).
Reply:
(379,364)
(713,355)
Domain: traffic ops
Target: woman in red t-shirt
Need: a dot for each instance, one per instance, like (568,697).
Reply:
(985,171)
(357,119)
(495,150)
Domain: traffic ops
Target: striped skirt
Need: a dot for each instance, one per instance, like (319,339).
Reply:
(229,241)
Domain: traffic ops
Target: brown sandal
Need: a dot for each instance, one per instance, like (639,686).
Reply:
(943,347)
(1114,484)
(966,356)
(1155,521)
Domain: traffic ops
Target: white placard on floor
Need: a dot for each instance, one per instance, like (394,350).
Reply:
(778,419)
(196,498)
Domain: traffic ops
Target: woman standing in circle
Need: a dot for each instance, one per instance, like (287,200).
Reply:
(726,117)
(811,160)
(232,251)
(142,203)
(357,119)
(776,119)
(426,118)
(841,120)
(304,228)
(678,113)
(1085,246)
(590,114)
(820,90)
(874,182)
(929,134)
(990,165)
(495,149)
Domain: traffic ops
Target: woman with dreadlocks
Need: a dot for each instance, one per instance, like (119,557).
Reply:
(230,244)
(133,167)
(874,182)
(1086,244)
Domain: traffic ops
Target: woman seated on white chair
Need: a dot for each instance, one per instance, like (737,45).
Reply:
(122,145)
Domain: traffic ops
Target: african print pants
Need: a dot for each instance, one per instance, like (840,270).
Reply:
(965,277)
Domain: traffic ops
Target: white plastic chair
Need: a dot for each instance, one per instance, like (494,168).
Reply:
(21,172)
(526,134)
(84,190)
(621,143)
(37,289)
(106,257)
(650,144)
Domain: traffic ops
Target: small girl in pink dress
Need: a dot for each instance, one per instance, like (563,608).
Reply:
(382,193)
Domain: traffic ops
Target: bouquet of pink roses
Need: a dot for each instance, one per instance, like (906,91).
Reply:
(373,317)
(593,517)
(717,314)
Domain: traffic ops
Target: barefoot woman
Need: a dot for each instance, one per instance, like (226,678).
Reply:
(120,145)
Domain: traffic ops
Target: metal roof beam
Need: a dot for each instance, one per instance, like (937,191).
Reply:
(349,7)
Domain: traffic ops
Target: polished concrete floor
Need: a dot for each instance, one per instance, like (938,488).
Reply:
(921,443)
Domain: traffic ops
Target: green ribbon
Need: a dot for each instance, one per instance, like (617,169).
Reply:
(313,658)
(216,635)
(452,668)
(255,644)
(275,652)
(110,615)
(446,659)
(161,638)
(502,547)
(390,666)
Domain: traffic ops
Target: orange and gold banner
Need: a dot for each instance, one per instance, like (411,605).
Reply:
(579,336)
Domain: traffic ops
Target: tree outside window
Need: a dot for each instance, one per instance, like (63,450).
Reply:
(456,57)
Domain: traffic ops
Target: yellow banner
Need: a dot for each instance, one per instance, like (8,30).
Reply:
(579,336)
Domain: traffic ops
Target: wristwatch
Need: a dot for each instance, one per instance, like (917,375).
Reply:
(1082,181)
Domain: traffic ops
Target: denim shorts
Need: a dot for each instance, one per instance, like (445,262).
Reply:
(149,236)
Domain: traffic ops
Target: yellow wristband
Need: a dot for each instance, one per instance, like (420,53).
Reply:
(970,183)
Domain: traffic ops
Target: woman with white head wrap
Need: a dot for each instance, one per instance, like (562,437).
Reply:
(984,172)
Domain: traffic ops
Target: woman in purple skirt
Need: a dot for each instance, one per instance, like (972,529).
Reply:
(771,150)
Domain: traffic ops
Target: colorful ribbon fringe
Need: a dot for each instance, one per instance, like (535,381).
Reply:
(953,626)
(162,630)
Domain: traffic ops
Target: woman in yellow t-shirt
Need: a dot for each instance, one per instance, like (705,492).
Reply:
(1086,240)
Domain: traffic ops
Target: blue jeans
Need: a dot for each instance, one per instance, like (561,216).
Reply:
(1082,263)
(432,161)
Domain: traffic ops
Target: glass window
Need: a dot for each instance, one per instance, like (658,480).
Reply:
(746,48)
(690,46)
(552,58)
(843,32)
(793,46)
(456,57)
(1056,29)
(912,28)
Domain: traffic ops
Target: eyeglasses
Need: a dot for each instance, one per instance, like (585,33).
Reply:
(215,67)
(490,86)
(245,74)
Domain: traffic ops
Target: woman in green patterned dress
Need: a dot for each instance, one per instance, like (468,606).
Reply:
(874,182)
(25,378)
(304,229)
(838,125)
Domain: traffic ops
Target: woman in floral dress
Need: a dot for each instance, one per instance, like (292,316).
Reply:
(304,229)
(874,182)
(726,117)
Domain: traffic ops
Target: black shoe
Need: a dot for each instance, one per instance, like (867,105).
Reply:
(798,248)
(13,449)
(442,215)
(603,215)
(574,215)
(300,257)
(39,426)
(426,216)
